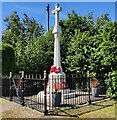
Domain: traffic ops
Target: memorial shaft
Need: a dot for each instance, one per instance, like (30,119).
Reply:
(56,32)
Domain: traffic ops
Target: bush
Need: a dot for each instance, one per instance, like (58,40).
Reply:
(112,84)
(7,58)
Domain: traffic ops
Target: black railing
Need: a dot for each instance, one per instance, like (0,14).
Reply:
(25,91)
(32,91)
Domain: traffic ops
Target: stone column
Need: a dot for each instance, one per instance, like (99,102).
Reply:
(57,32)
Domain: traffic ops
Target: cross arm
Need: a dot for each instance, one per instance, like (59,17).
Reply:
(57,10)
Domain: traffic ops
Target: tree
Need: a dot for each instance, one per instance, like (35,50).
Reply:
(20,34)
(79,53)
(88,44)
(39,55)
(32,29)
(69,27)
(103,57)
(13,32)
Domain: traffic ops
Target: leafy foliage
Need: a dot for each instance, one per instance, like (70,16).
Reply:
(39,55)
(8,58)
(112,84)
(69,27)
(89,44)
(78,52)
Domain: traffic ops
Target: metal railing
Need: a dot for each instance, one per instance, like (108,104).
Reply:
(24,91)
(32,92)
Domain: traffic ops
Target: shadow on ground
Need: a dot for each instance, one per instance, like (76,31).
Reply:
(77,111)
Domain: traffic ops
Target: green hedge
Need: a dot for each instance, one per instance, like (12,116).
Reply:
(7,58)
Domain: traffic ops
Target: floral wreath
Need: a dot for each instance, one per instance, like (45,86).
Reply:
(55,69)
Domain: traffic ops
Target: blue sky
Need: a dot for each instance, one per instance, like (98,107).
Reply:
(38,10)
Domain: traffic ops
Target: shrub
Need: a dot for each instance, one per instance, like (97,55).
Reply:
(7,58)
(112,84)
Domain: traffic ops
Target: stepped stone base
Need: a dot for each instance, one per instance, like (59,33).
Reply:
(56,84)
(51,97)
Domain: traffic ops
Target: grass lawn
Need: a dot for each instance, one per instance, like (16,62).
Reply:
(101,109)
(107,112)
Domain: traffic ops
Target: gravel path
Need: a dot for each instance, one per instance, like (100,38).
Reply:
(14,110)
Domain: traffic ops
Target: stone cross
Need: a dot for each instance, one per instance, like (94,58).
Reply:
(56,12)
(56,32)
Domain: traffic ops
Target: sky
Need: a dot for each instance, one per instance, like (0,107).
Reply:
(38,10)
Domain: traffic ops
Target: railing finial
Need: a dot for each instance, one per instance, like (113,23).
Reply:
(10,74)
(44,73)
(22,73)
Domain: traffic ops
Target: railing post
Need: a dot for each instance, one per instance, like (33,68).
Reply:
(45,101)
(22,89)
(88,78)
(11,85)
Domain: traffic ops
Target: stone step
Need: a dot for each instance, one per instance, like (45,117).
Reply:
(64,91)
(70,94)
